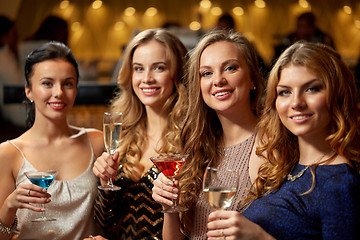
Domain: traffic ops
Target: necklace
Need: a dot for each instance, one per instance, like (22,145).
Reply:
(293,178)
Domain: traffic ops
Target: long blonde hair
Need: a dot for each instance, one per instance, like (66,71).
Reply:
(202,131)
(133,139)
(278,144)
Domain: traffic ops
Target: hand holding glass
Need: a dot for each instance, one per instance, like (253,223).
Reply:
(218,192)
(170,166)
(112,133)
(44,180)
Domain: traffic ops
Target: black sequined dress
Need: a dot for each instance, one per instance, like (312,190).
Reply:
(130,213)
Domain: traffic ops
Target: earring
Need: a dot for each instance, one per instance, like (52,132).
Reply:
(31,101)
(254,88)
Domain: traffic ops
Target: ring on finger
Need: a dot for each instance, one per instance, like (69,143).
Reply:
(92,237)
(29,192)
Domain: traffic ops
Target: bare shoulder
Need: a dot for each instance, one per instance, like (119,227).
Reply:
(97,140)
(9,157)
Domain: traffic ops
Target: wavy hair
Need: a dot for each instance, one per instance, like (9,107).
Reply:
(133,139)
(281,146)
(202,130)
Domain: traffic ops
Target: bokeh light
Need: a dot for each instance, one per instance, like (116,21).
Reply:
(97,4)
(151,11)
(129,11)
(238,11)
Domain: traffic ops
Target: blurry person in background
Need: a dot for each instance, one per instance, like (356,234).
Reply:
(52,28)
(307,30)
(13,114)
(225,22)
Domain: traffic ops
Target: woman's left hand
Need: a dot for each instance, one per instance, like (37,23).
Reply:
(232,225)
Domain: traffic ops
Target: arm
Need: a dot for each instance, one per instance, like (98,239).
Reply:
(232,225)
(163,192)
(12,198)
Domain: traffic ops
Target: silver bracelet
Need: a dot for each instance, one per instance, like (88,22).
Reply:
(6,229)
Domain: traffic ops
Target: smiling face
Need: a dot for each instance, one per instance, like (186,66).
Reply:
(53,88)
(151,74)
(225,78)
(302,103)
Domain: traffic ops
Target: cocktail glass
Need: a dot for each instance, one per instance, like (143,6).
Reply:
(170,166)
(44,180)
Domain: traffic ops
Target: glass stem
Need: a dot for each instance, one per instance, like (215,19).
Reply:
(43,215)
(110,181)
(174,200)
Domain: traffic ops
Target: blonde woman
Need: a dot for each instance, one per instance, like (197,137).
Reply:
(225,86)
(151,85)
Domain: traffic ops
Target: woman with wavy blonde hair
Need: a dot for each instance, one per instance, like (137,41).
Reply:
(310,129)
(225,85)
(151,85)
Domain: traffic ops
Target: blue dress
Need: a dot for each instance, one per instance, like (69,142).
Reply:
(330,211)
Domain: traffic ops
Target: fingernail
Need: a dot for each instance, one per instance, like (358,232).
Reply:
(175,195)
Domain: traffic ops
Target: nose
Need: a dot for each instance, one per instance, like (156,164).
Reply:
(298,102)
(58,91)
(147,78)
(220,80)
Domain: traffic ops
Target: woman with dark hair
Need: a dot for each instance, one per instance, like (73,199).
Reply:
(52,76)
(308,188)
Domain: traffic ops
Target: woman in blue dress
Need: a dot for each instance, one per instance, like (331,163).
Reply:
(309,186)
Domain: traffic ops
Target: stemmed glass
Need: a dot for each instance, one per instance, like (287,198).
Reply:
(170,166)
(219,193)
(112,133)
(44,180)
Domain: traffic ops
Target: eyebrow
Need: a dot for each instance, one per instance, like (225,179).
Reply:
(155,63)
(224,63)
(305,84)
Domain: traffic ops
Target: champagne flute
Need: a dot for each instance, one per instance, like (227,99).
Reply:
(219,193)
(112,133)
(170,166)
(44,180)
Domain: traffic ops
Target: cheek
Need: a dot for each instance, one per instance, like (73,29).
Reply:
(204,89)
(321,106)
(281,106)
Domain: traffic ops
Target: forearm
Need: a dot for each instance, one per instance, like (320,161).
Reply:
(171,228)
(7,220)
